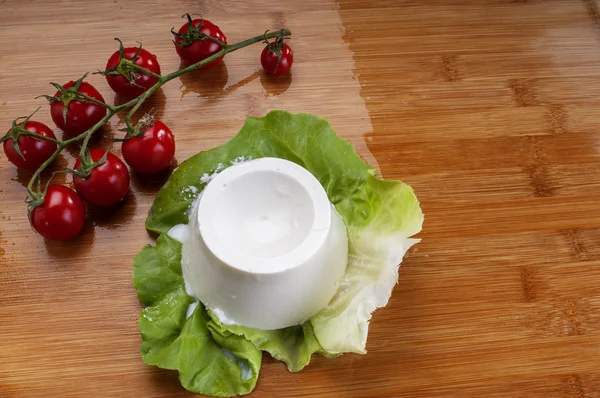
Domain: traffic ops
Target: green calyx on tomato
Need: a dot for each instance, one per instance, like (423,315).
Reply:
(138,130)
(88,164)
(67,95)
(126,67)
(276,47)
(193,33)
(35,199)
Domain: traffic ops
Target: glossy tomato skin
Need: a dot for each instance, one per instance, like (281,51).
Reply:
(200,49)
(35,151)
(61,216)
(268,59)
(81,116)
(121,85)
(151,152)
(107,184)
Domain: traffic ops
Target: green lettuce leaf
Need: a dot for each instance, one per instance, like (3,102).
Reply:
(157,270)
(178,334)
(293,345)
(380,217)
(376,248)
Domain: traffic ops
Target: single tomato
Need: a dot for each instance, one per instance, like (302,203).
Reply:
(152,151)
(106,184)
(128,81)
(193,45)
(80,115)
(61,216)
(35,151)
(277,58)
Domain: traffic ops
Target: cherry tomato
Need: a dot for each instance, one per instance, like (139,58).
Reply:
(61,216)
(81,116)
(151,152)
(107,184)
(192,48)
(35,152)
(121,84)
(269,59)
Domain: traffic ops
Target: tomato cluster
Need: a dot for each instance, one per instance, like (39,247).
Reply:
(77,108)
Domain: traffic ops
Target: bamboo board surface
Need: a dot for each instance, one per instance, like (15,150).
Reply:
(490,109)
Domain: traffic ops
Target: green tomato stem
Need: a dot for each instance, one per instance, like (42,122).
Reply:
(36,176)
(88,134)
(93,100)
(38,136)
(146,71)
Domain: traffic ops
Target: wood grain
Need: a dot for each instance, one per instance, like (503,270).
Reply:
(489,109)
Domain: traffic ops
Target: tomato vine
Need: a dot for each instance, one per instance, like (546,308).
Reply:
(37,195)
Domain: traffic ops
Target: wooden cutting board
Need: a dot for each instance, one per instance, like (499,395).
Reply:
(490,109)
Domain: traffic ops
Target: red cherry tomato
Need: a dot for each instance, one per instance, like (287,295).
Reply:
(269,59)
(35,152)
(191,48)
(120,84)
(61,216)
(107,184)
(151,152)
(81,116)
